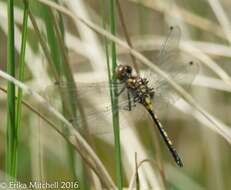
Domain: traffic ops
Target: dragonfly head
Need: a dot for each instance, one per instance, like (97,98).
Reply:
(123,72)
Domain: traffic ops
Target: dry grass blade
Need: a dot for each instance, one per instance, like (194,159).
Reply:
(212,83)
(74,138)
(213,49)
(225,132)
(221,17)
(151,43)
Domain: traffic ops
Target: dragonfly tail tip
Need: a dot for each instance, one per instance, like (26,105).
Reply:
(180,163)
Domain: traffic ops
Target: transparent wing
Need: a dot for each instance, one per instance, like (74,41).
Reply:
(182,69)
(83,89)
(170,46)
(179,66)
(92,103)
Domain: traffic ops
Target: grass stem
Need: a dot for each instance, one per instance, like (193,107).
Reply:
(21,74)
(11,144)
(114,100)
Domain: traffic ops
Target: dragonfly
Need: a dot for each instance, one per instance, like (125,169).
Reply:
(150,91)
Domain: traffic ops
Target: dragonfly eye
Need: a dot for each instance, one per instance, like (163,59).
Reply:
(128,69)
(121,72)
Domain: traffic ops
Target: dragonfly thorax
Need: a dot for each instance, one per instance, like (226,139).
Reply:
(136,85)
(139,88)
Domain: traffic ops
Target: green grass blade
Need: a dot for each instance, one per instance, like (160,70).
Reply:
(114,92)
(21,72)
(11,143)
(22,62)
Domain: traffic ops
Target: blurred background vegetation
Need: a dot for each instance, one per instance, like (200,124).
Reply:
(61,47)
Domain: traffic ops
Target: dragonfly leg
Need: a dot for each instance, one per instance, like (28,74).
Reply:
(131,102)
(121,91)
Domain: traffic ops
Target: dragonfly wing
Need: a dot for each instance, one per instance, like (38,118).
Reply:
(91,104)
(85,89)
(181,68)
(170,45)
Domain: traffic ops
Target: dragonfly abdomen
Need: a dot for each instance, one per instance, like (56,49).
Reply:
(166,138)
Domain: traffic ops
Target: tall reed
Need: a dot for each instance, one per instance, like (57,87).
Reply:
(11,144)
(21,69)
(114,98)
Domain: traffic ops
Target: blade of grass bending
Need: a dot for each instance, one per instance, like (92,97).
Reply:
(11,143)
(21,70)
(114,100)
